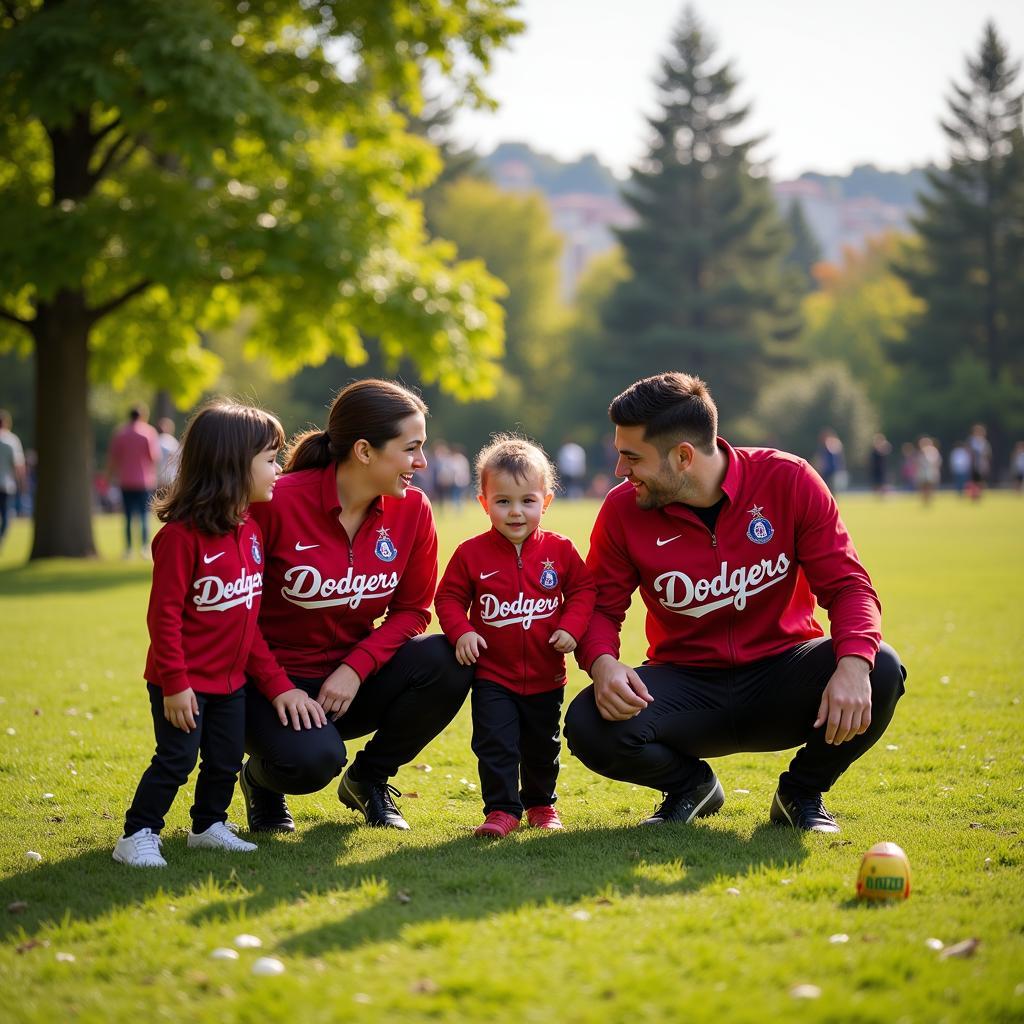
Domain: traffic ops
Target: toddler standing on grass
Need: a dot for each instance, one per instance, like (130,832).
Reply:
(207,582)
(530,597)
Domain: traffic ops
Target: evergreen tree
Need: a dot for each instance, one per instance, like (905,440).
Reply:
(805,251)
(709,292)
(969,269)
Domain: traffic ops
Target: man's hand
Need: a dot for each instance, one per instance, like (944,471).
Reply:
(618,691)
(298,706)
(846,703)
(562,642)
(338,691)
(468,648)
(182,710)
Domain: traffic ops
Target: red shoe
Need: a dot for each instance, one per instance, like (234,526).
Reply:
(543,817)
(497,825)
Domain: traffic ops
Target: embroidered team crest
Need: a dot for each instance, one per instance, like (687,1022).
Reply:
(385,549)
(760,531)
(548,576)
(257,555)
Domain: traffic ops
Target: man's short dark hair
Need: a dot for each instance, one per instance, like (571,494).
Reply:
(671,407)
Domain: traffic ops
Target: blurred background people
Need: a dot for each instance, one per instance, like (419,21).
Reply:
(572,468)
(960,466)
(981,460)
(881,449)
(1017,466)
(167,467)
(830,461)
(928,468)
(132,463)
(12,471)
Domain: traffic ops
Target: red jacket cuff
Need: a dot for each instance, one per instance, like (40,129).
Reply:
(856,646)
(360,662)
(173,684)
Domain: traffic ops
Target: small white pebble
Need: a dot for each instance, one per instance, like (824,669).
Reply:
(471,785)
(944,680)
(223,953)
(361,997)
(805,992)
(11,731)
(73,772)
(891,746)
(464,782)
(733,891)
(785,881)
(838,938)
(935,944)
(32,855)
(743,791)
(268,965)
(1019,990)
(47,796)
(66,958)
(248,942)
(581,915)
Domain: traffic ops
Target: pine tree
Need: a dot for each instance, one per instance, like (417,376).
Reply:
(709,292)
(969,268)
(805,251)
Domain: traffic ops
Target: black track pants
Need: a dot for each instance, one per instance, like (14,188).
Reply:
(516,736)
(218,738)
(406,704)
(698,713)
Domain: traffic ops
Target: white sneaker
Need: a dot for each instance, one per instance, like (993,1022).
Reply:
(220,836)
(141,850)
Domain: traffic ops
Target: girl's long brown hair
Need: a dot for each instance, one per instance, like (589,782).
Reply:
(214,478)
(369,410)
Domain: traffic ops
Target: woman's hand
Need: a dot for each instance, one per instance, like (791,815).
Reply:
(338,691)
(182,710)
(298,706)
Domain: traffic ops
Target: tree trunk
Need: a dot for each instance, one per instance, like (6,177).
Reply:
(63,505)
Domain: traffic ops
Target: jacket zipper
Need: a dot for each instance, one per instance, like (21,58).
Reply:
(241,638)
(522,632)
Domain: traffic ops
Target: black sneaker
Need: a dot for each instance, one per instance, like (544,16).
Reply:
(806,812)
(684,806)
(373,800)
(265,809)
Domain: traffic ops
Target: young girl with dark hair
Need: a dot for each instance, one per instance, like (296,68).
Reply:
(350,576)
(513,602)
(207,580)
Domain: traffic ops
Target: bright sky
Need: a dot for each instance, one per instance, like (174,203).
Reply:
(833,85)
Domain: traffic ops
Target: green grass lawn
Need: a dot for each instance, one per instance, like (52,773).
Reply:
(719,921)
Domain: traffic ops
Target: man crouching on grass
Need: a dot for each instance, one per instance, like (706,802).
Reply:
(729,547)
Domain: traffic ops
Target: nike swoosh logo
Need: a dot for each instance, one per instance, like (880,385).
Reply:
(661,543)
(488,575)
(207,559)
(305,547)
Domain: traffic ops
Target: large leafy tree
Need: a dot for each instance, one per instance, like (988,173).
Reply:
(512,234)
(709,291)
(969,268)
(167,165)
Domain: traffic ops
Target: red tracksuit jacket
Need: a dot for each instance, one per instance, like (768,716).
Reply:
(516,601)
(323,595)
(203,609)
(746,591)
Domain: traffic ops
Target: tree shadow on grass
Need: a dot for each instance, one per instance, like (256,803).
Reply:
(49,579)
(463,879)
(468,879)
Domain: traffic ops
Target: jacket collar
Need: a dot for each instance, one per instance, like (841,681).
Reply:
(329,493)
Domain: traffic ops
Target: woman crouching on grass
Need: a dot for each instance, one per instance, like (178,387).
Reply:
(350,542)
(203,607)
